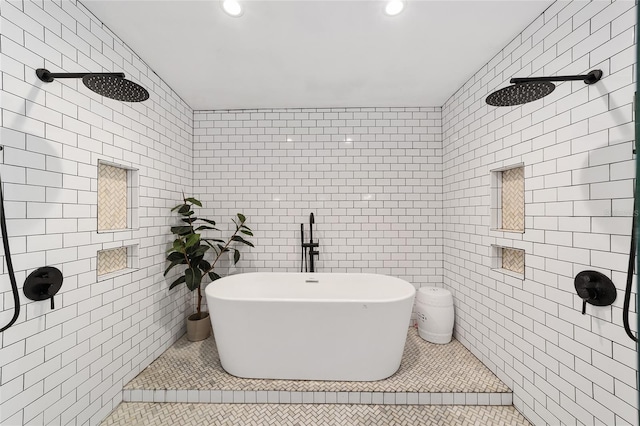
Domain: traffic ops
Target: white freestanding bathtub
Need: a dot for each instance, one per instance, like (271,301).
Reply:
(310,326)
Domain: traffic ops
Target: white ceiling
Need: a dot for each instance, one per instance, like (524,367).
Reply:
(301,53)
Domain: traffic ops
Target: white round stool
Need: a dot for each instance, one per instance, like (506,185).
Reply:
(434,308)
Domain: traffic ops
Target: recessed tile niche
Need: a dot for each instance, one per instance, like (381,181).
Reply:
(117,261)
(112,260)
(508,260)
(117,197)
(507,199)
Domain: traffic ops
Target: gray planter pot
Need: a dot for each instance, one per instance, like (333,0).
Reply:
(198,327)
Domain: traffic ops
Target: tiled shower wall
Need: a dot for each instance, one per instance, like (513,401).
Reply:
(372,177)
(576,146)
(68,365)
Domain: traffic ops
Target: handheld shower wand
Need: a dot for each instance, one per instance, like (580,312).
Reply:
(7,259)
(630,272)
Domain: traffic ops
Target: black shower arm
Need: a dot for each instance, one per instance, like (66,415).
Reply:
(590,78)
(48,77)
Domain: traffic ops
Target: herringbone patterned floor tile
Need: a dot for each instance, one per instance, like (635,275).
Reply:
(174,414)
(426,367)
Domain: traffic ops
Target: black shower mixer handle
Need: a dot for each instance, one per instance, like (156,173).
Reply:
(594,288)
(43,283)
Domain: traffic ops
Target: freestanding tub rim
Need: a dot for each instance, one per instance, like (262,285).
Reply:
(297,284)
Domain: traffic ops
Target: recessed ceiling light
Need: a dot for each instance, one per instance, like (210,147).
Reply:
(394,7)
(232,7)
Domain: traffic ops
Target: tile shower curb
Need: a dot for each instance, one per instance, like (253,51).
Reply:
(145,413)
(308,397)
(176,377)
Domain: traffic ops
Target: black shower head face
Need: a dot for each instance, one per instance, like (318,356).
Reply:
(116,88)
(520,93)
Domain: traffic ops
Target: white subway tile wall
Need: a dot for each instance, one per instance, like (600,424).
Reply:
(576,146)
(68,365)
(371,176)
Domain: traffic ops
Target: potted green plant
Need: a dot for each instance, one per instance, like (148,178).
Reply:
(190,249)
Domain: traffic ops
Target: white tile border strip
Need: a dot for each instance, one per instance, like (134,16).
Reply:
(306,397)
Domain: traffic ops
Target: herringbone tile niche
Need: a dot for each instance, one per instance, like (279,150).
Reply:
(117,197)
(112,197)
(507,199)
(112,260)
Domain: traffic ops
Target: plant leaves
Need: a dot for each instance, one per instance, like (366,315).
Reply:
(246,232)
(213,239)
(184,208)
(198,277)
(201,227)
(177,207)
(194,201)
(193,276)
(241,217)
(200,251)
(236,257)
(178,245)
(204,265)
(239,239)
(175,256)
(180,230)
(188,275)
(212,222)
(180,280)
(192,240)
(214,276)
(174,263)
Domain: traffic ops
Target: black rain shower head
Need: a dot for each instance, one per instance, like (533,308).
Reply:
(528,89)
(111,85)
(521,93)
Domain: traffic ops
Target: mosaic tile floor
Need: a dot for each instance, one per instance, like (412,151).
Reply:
(425,367)
(131,414)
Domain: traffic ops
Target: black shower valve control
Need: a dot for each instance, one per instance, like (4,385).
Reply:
(594,288)
(43,284)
